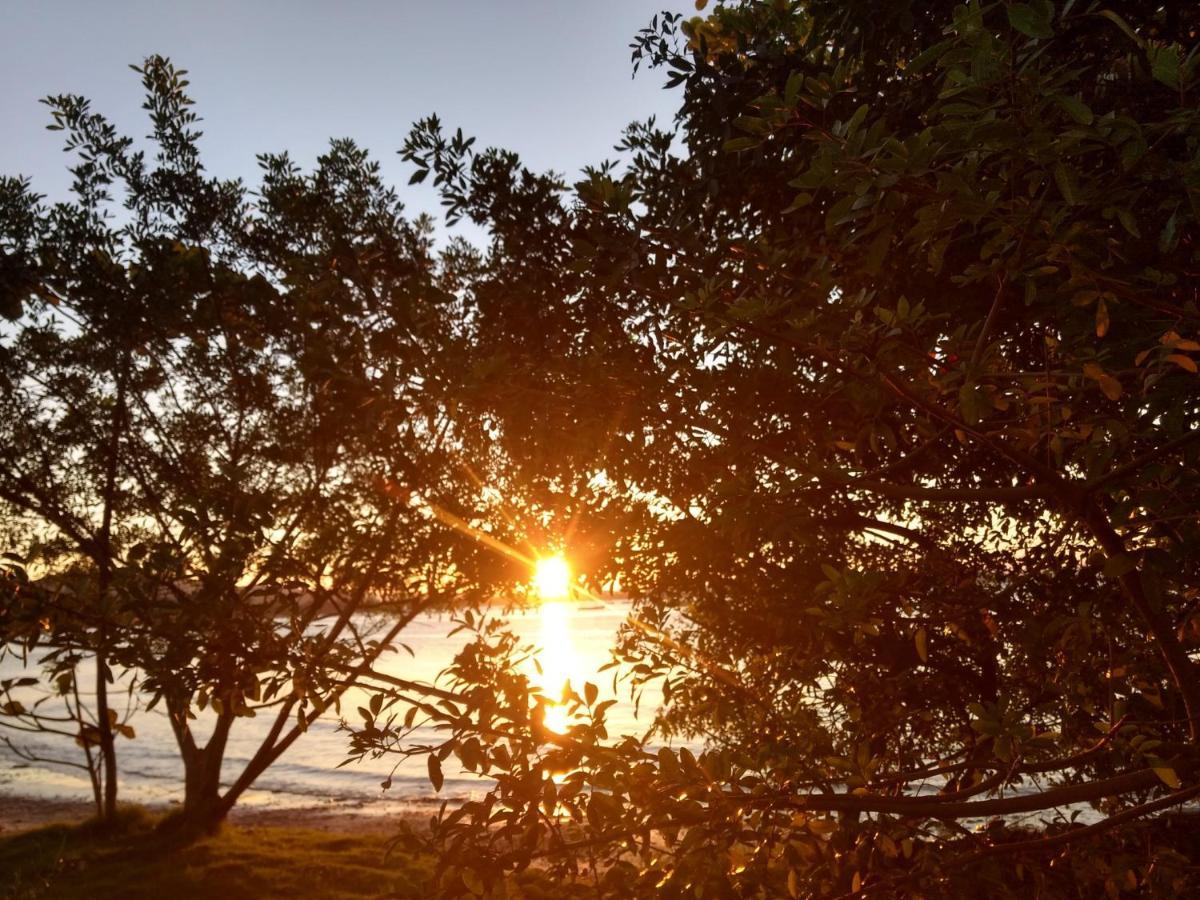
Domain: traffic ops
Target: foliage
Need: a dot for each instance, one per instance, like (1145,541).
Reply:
(224,430)
(875,382)
(52,703)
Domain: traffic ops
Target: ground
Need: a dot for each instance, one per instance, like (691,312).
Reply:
(50,850)
(57,862)
(23,813)
(76,861)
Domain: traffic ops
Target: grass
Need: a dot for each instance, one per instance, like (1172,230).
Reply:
(61,861)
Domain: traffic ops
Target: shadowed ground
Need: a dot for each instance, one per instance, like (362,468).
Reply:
(76,861)
(239,863)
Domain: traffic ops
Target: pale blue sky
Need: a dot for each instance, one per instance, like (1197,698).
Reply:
(547,78)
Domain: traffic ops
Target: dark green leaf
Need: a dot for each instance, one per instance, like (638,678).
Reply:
(1029,21)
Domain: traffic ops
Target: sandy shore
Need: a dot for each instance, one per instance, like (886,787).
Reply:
(20,813)
(23,813)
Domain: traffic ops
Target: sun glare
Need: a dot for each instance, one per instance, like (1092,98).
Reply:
(552,578)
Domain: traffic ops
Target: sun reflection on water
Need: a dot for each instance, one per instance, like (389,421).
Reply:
(557,657)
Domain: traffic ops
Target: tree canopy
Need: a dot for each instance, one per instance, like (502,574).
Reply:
(874,380)
(224,422)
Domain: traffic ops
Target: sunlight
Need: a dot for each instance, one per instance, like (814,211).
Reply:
(552,578)
(557,658)
(552,584)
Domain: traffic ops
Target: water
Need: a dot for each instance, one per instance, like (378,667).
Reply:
(576,642)
(306,774)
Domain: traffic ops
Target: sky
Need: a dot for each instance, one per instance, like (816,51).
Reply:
(550,79)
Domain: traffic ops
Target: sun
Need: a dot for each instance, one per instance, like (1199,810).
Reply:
(552,578)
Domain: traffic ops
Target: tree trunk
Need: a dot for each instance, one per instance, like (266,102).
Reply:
(203,807)
(108,748)
(202,790)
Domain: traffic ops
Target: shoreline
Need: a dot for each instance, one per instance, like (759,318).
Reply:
(21,813)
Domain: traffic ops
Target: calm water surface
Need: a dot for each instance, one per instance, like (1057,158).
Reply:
(577,641)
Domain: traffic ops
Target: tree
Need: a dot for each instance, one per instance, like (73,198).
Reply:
(900,458)
(225,429)
(51,703)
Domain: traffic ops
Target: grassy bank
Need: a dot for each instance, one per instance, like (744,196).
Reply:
(77,861)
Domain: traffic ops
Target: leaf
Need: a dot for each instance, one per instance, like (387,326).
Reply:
(740,143)
(549,796)
(921,640)
(822,826)
(1128,222)
(1075,108)
(590,692)
(1102,320)
(472,882)
(1164,64)
(925,57)
(791,90)
(1183,361)
(126,731)
(1029,21)
(435,772)
(1122,24)
(888,846)
(973,403)
(1065,179)
(1168,776)
(840,212)
(856,120)
(751,124)
(799,202)
(1109,385)
(1167,239)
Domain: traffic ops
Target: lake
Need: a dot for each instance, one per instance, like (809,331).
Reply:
(578,642)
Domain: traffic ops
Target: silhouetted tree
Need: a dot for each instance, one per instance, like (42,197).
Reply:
(224,431)
(876,380)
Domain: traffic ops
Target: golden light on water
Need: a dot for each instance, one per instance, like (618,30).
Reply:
(557,659)
(552,584)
